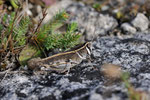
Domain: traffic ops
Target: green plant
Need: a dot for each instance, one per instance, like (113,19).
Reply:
(15,29)
(97,6)
(47,37)
(44,37)
(8,20)
(51,39)
(14,3)
(53,25)
(7,25)
(63,40)
(20,31)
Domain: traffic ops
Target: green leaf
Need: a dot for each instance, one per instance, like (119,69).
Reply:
(21,30)
(27,53)
(14,3)
(72,27)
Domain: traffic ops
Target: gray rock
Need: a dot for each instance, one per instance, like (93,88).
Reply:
(95,96)
(105,23)
(141,22)
(84,82)
(128,28)
(93,23)
(127,52)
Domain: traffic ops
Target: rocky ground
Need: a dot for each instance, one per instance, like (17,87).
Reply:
(124,44)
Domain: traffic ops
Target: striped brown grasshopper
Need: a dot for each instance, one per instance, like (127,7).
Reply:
(62,62)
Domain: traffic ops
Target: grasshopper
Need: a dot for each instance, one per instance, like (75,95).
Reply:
(62,62)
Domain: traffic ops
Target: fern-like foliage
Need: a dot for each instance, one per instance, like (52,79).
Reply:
(70,38)
(8,21)
(21,30)
(58,20)
(63,40)
(50,39)
(53,25)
